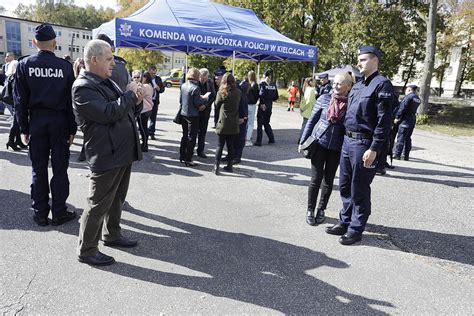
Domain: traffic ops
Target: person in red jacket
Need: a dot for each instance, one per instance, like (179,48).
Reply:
(292,92)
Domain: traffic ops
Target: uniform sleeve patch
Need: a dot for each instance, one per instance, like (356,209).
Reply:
(385,95)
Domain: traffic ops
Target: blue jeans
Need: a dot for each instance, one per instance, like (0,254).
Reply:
(251,119)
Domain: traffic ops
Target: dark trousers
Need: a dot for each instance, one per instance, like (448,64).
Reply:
(382,157)
(203,123)
(49,137)
(324,163)
(14,134)
(216,115)
(154,113)
(263,119)
(107,193)
(142,127)
(354,184)
(222,140)
(190,127)
(239,142)
(404,140)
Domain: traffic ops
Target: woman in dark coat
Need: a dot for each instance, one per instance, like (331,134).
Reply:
(227,129)
(326,127)
(191,104)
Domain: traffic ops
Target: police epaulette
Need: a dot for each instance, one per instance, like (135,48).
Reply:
(23,57)
(120,59)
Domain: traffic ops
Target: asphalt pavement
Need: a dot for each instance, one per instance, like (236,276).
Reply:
(239,244)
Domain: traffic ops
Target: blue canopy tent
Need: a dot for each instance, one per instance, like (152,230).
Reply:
(204,27)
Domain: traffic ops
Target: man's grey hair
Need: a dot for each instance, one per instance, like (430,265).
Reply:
(95,47)
(204,72)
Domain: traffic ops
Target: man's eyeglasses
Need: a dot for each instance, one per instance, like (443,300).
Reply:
(136,77)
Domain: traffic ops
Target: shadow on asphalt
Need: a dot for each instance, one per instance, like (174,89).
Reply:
(250,269)
(450,247)
(433,176)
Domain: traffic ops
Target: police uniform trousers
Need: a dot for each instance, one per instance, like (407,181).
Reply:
(263,119)
(49,136)
(203,123)
(107,193)
(404,139)
(354,184)
(239,142)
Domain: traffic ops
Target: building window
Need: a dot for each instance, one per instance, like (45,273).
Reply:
(31,29)
(167,59)
(13,33)
(30,44)
(59,47)
(59,33)
(179,61)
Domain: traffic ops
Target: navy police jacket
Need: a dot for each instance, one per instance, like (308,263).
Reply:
(325,89)
(268,93)
(43,83)
(369,109)
(408,107)
(328,135)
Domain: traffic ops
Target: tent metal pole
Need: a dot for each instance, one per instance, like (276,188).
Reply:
(186,63)
(233,62)
(258,71)
(314,70)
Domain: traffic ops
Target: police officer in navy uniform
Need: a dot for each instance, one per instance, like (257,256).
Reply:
(325,86)
(42,97)
(367,124)
(406,117)
(268,94)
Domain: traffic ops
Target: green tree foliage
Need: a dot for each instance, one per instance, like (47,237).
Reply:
(64,12)
(137,59)
(204,61)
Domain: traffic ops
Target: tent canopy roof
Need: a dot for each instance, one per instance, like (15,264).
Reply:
(204,27)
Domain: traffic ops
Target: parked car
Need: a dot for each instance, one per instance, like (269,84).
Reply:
(173,78)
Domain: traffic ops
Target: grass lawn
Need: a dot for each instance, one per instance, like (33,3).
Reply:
(456,118)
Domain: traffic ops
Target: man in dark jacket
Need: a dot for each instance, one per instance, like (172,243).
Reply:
(158,87)
(107,117)
(42,97)
(406,118)
(206,85)
(268,95)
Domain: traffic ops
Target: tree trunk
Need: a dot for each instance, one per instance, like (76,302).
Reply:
(429,58)
(410,71)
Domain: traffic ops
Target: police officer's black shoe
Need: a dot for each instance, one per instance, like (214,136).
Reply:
(350,238)
(152,137)
(271,141)
(337,229)
(40,220)
(310,220)
(397,157)
(63,218)
(406,158)
(320,216)
(381,172)
(98,259)
(228,169)
(257,144)
(121,242)
(236,161)
(389,166)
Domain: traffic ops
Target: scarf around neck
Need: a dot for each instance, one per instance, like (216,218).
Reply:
(337,108)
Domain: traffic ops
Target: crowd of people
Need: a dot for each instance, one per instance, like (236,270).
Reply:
(345,125)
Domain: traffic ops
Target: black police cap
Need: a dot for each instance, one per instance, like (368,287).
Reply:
(367,49)
(413,86)
(105,38)
(323,76)
(44,32)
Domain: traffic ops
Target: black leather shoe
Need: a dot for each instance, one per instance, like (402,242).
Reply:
(64,218)
(271,141)
(406,158)
(121,242)
(310,218)
(228,169)
(98,259)
(216,170)
(225,159)
(337,229)
(152,137)
(202,155)
(397,157)
(320,217)
(381,172)
(350,238)
(40,220)
(190,164)
(236,161)
(257,144)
